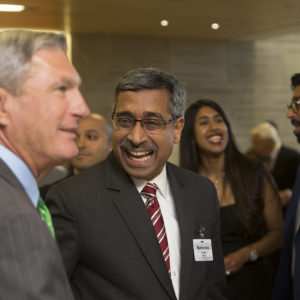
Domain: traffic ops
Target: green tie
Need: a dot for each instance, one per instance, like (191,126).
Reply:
(45,215)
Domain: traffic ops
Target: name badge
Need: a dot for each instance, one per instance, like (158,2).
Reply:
(202,250)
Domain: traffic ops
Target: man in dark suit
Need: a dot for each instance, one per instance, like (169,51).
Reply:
(287,285)
(40,105)
(111,247)
(281,161)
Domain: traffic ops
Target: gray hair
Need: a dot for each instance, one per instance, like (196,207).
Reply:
(266,131)
(16,50)
(152,78)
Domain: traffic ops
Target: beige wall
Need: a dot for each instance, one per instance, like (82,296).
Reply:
(250,79)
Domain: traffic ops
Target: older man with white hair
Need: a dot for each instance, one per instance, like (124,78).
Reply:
(279,159)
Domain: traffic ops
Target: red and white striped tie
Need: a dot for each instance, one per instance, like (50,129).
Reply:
(152,205)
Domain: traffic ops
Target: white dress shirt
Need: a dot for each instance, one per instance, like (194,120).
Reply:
(168,210)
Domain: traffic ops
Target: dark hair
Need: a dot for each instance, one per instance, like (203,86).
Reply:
(152,78)
(295,80)
(244,175)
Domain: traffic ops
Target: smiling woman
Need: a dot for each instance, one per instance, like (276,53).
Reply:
(251,219)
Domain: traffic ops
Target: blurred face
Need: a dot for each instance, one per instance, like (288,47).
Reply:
(295,116)
(92,141)
(40,124)
(140,153)
(262,147)
(210,131)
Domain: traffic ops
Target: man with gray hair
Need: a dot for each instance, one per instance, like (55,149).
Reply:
(281,161)
(136,226)
(40,105)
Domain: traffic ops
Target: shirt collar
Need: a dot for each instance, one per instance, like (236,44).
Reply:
(160,181)
(22,172)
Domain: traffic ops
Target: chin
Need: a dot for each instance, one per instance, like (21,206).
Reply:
(69,152)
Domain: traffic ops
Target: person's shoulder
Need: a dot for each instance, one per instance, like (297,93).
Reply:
(86,176)
(14,203)
(290,151)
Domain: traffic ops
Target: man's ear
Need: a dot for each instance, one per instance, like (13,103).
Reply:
(4,98)
(178,129)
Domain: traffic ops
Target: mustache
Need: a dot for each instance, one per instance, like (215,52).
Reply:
(295,122)
(144,146)
(84,153)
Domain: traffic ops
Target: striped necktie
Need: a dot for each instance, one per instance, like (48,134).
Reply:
(152,205)
(45,215)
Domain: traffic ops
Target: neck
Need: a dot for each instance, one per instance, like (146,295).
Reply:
(212,165)
(37,171)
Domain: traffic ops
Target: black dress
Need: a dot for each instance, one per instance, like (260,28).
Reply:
(255,280)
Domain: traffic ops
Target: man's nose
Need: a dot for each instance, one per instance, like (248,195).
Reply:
(137,134)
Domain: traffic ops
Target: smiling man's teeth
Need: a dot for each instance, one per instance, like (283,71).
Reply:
(144,158)
(215,139)
(138,155)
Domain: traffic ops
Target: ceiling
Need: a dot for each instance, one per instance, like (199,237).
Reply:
(239,19)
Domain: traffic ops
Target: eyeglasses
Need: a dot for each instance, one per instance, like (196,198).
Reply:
(294,105)
(149,124)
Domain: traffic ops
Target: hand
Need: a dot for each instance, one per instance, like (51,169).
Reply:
(235,260)
(285,196)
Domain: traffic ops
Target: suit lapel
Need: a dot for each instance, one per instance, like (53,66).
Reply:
(292,208)
(6,173)
(133,211)
(186,224)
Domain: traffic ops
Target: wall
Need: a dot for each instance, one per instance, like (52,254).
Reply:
(250,79)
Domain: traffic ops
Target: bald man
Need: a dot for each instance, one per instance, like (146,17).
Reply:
(93,141)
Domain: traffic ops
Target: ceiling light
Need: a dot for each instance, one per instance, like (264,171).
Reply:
(215,26)
(11,7)
(164,23)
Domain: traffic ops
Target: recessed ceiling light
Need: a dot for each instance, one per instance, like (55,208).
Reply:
(215,26)
(11,7)
(164,23)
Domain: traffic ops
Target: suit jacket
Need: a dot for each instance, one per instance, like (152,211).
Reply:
(109,245)
(31,267)
(285,168)
(284,287)
(45,188)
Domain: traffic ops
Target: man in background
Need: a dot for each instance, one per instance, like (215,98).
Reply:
(136,226)
(93,141)
(280,160)
(40,105)
(287,285)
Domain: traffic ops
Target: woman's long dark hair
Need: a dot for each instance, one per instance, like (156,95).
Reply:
(244,175)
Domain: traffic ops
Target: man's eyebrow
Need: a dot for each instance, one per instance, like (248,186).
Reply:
(67,81)
(151,114)
(124,113)
(148,114)
(91,131)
